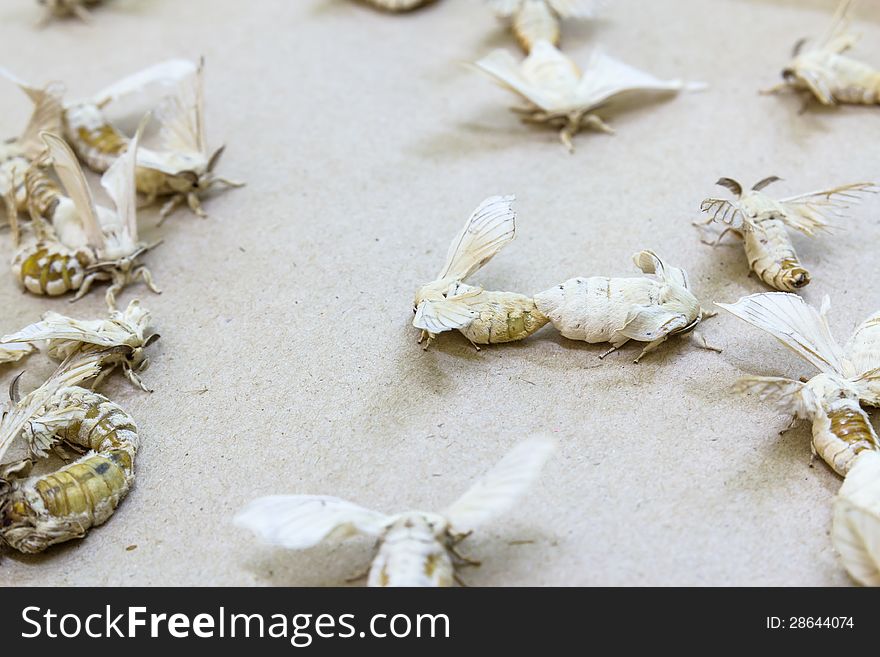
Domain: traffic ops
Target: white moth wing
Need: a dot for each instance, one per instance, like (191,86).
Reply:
(786,394)
(504,8)
(487,230)
(71,175)
(12,352)
(650,263)
(724,211)
(182,117)
(120,184)
(46,115)
(301,521)
(855,528)
(606,77)
(863,348)
(814,211)
(55,326)
(646,323)
(503,67)
(437,316)
(797,325)
(162,75)
(14,421)
(574,8)
(499,488)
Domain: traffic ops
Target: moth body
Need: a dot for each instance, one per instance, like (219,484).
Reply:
(536,20)
(43,510)
(863,347)
(412,553)
(772,256)
(500,316)
(855,528)
(96,141)
(51,269)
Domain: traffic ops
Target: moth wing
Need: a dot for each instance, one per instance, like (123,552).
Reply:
(606,77)
(40,442)
(724,211)
(574,8)
(797,325)
(855,527)
(55,326)
(302,521)
(182,117)
(14,421)
(120,184)
(505,70)
(837,37)
(11,352)
(646,323)
(863,348)
(71,175)
(785,394)
(813,212)
(499,488)
(504,8)
(487,230)
(46,115)
(650,263)
(162,75)
(445,314)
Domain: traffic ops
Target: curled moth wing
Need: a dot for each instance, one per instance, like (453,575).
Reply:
(723,211)
(574,8)
(606,77)
(504,69)
(119,183)
(787,395)
(302,521)
(797,325)
(650,263)
(504,8)
(163,75)
(71,175)
(499,488)
(813,212)
(488,229)
(863,348)
(42,432)
(13,422)
(437,316)
(855,527)
(12,352)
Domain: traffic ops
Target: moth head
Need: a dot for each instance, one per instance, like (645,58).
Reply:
(831,387)
(790,75)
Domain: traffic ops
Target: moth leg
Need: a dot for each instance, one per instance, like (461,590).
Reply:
(169,207)
(775,89)
(610,351)
(87,283)
(473,344)
(651,346)
(596,123)
(135,379)
(82,13)
(428,338)
(147,277)
(705,345)
(357,578)
(228,183)
(717,240)
(460,581)
(195,204)
(708,314)
(104,373)
(790,426)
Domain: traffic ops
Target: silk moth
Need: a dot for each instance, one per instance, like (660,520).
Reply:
(559,94)
(13,352)
(447,303)
(537,20)
(416,548)
(842,431)
(855,529)
(762,223)
(120,340)
(618,310)
(102,244)
(826,73)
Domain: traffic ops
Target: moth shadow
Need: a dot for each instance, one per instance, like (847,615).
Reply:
(326,7)
(326,565)
(59,551)
(478,137)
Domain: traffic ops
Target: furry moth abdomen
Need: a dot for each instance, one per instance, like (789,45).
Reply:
(44,510)
(772,256)
(50,269)
(841,433)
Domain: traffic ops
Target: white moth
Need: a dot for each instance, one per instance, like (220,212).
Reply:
(618,310)
(103,242)
(18,154)
(183,167)
(66,8)
(826,73)
(483,317)
(855,529)
(762,223)
(398,5)
(11,352)
(830,400)
(118,341)
(416,548)
(537,20)
(559,94)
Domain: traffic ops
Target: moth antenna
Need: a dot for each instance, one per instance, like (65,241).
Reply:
(732,185)
(761,184)
(15,388)
(798,47)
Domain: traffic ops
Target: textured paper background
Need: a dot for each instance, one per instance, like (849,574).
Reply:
(287,361)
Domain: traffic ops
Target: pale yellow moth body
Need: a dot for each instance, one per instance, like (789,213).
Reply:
(855,528)
(500,316)
(540,20)
(416,548)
